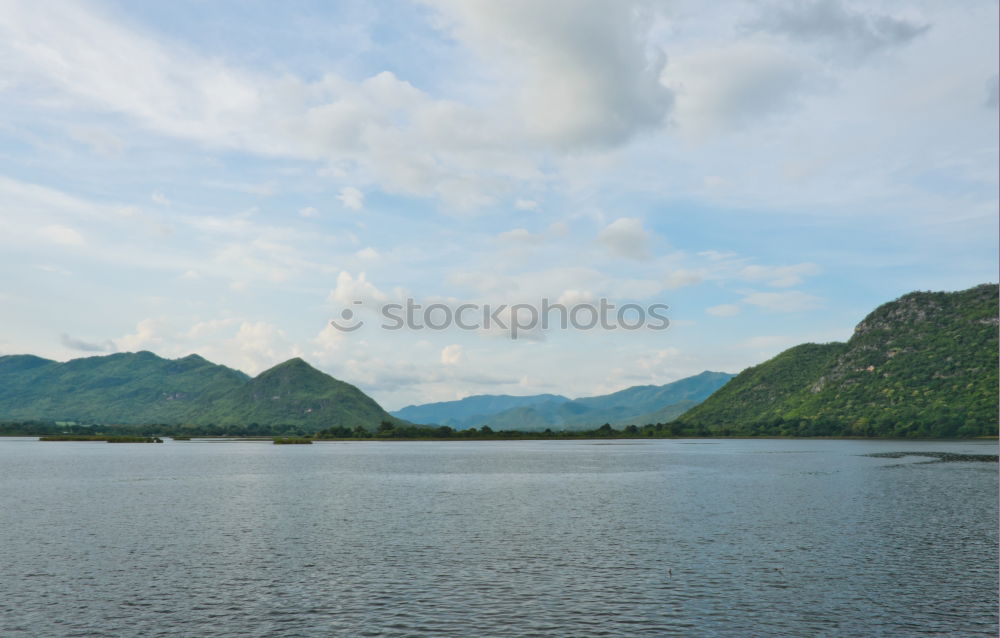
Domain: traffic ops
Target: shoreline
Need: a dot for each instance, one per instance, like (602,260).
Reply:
(459,439)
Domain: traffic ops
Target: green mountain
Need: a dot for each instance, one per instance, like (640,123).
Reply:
(294,393)
(119,388)
(142,388)
(922,365)
(638,404)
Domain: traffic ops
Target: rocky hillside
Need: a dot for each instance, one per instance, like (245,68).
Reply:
(922,365)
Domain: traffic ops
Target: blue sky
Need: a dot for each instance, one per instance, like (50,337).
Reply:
(223,177)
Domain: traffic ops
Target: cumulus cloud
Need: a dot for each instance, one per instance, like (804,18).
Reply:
(258,345)
(626,238)
(327,342)
(147,335)
(451,355)
(159,198)
(350,289)
(525,204)
(351,198)
(308,211)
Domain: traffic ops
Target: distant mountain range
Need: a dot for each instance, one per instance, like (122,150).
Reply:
(142,388)
(923,365)
(636,405)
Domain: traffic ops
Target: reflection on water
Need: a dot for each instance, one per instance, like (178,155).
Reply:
(521,538)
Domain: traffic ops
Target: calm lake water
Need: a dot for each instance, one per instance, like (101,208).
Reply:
(524,538)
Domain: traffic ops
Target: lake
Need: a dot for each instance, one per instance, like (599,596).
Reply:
(521,538)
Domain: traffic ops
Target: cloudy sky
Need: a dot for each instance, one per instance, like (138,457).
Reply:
(223,178)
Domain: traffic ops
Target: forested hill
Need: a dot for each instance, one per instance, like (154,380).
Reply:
(923,365)
(141,388)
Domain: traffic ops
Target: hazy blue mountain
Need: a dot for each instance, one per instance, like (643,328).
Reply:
(624,407)
(473,409)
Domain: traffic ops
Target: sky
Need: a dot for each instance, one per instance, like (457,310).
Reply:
(225,178)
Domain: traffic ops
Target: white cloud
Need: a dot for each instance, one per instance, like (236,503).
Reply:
(265,189)
(787,301)
(54,269)
(656,363)
(351,198)
(680,277)
(159,198)
(723,310)
(147,335)
(779,276)
(570,298)
(383,128)
(62,235)
(626,238)
(526,204)
(350,289)
(328,341)
(451,355)
(367,253)
(716,255)
(259,345)
(210,329)
(244,344)
(308,211)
